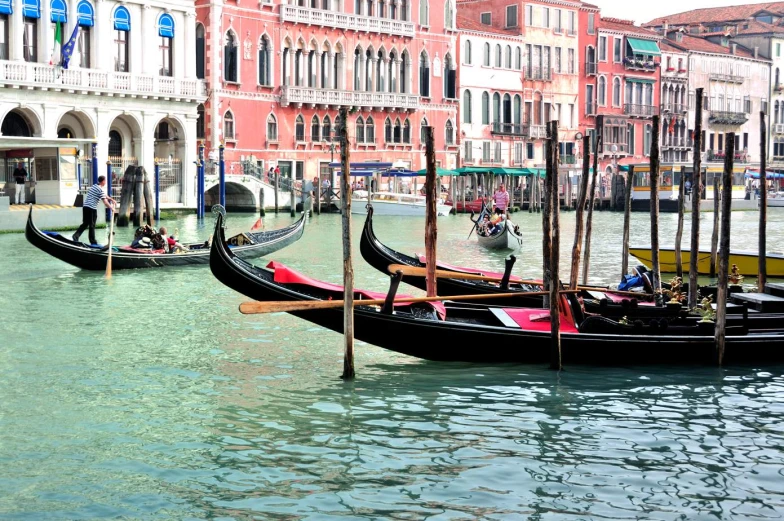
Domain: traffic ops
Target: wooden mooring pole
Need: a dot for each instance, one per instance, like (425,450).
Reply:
(679,231)
(431,196)
(724,247)
(655,265)
(348,266)
(717,195)
(591,199)
(696,183)
(627,216)
(762,252)
(574,273)
(554,203)
(277,191)
(547,223)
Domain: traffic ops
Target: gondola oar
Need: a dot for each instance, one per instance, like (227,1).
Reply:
(415,271)
(111,240)
(252,308)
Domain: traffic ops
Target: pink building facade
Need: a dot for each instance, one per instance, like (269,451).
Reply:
(278,73)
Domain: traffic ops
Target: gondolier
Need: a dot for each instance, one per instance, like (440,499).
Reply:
(95,193)
(501,198)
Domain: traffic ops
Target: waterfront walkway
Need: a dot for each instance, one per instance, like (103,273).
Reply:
(47,217)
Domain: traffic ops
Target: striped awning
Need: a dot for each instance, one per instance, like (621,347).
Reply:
(122,19)
(85,14)
(59,12)
(31,9)
(6,7)
(646,47)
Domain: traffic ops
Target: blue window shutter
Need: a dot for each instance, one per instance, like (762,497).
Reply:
(59,11)
(6,7)
(85,15)
(122,19)
(166,26)
(31,9)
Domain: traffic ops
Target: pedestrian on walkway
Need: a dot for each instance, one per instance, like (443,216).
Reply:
(20,178)
(95,193)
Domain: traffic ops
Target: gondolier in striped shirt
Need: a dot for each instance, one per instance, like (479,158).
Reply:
(501,198)
(95,193)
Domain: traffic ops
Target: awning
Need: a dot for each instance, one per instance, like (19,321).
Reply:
(768,175)
(720,169)
(367,165)
(59,12)
(122,19)
(631,79)
(647,47)
(166,26)
(6,7)
(85,14)
(31,9)
(440,172)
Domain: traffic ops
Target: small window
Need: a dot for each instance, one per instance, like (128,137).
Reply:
(228,125)
(272,128)
(511,16)
(486,18)
(591,23)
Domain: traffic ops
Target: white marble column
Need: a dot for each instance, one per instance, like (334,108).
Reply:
(184,43)
(149,43)
(46,32)
(188,166)
(214,74)
(189,45)
(317,67)
(17,29)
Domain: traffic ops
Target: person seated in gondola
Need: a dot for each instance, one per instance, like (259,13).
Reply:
(483,226)
(141,233)
(171,244)
(496,221)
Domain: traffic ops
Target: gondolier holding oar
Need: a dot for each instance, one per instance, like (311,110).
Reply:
(95,193)
(501,198)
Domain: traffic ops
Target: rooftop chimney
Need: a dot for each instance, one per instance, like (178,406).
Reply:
(666,26)
(756,52)
(733,48)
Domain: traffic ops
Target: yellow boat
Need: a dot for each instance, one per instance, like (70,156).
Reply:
(746,261)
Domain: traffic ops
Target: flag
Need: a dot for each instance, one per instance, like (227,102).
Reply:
(257,226)
(58,44)
(68,50)
(672,126)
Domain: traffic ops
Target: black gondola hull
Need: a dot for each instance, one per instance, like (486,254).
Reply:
(87,258)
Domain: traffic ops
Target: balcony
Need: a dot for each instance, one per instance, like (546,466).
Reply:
(347,21)
(567,159)
(591,68)
(674,108)
(720,117)
(537,131)
(348,98)
(778,128)
(95,81)
(719,156)
(635,63)
(675,142)
(727,78)
(509,129)
(538,74)
(622,149)
(640,111)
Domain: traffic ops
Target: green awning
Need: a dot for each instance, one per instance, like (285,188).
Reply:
(476,170)
(639,80)
(646,47)
(441,172)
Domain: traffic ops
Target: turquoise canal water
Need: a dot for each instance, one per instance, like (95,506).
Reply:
(150,397)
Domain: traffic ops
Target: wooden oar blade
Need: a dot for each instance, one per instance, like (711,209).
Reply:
(255,308)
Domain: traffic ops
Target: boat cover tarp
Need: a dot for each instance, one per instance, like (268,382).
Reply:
(286,275)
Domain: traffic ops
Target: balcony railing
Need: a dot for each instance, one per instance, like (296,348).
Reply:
(591,68)
(622,148)
(567,159)
(719,155)
(778,128)
(348,21)
(39,75)
(349,98)
(537,132)
(640,111)
(538,73)
(675,142)
(729,78)
(721,117)
(639,64)
(509,129)
(674,108)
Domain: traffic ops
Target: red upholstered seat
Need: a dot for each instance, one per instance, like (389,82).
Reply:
(538,319)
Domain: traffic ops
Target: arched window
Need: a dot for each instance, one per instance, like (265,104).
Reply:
(423,131)
(616,92)
(369,73)
(115,143)
(450,133)
(360,130)
(337,66)
(424,75)
(200,58)
(357,69)
(370,131)
(315,128)
(506,109)
(776,112)
(392,71)
(518,58)
(299,128)
(404,10)
(398,131)
(498,55)
(467,106)
(467,52)
(404,65)
(265,59)
(200,122)
(486,55)
(449,15)
(312,65)
(777,77)
(516,109)
(230,57)
(406,131)
(381,65)
(388,130)
(485,108)
(85,19)
(424,13)
(228,125)
(450,78)
(272,128)
(602,91)
(496,108)
(326,129)
(508,57)
(166,45)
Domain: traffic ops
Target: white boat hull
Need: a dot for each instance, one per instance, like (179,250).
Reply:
(776,200)
(507,239)
(396,204)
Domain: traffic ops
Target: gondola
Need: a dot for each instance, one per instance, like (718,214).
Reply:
(380,257)
(84,256)
(505,239)
(494,334)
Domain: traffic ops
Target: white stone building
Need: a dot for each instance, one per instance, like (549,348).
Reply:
(130,88)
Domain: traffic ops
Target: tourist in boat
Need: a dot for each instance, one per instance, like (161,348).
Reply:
(496,221)
(501,198)
(95,193)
